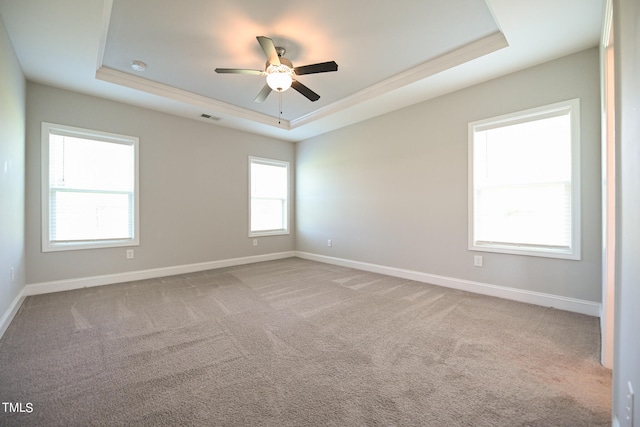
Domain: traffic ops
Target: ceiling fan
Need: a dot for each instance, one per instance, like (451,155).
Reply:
(280,72)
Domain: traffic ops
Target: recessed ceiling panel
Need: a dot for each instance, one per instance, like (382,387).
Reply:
(183,42)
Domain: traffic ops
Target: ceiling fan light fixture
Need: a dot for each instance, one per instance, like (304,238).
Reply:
(279,77)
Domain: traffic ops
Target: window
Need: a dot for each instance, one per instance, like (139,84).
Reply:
(268,197)
(89,189)
(524,189)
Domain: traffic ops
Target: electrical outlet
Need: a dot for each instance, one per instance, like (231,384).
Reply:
(129,253)
(477,260)
(255,242)
(329,243)
(628,416)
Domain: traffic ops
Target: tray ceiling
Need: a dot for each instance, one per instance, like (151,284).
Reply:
(388,56)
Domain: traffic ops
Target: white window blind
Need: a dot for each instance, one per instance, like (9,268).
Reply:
(269,193)
(89,189)
(524,189)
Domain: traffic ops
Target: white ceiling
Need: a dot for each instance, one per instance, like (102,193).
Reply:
(389,54)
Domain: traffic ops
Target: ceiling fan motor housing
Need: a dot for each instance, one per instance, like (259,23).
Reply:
(283,61)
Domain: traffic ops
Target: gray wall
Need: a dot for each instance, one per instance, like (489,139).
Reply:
(626,366)
(392,190)
(12,171)
(193,187)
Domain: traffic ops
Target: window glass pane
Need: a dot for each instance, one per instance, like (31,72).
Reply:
(267,214)
(90,216)
(269,181)
(83,163)
(536,151)
(529,215)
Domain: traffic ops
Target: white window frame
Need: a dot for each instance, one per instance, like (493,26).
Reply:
(287,209)
(574,251)
(56,129)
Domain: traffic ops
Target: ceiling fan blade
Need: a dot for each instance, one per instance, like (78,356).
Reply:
(308,93)
(262,95)
(322,67)
(269,49)
(238,71)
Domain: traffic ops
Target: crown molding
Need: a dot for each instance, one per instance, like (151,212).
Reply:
(149,86)
(468,52)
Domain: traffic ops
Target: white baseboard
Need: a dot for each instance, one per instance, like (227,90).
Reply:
(531,297)
(548,300)
(8,316)
(108,279)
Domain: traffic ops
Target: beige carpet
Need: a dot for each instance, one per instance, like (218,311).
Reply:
(298,343)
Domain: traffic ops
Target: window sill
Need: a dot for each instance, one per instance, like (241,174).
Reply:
(268,233)
(545,252)
(96,244)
